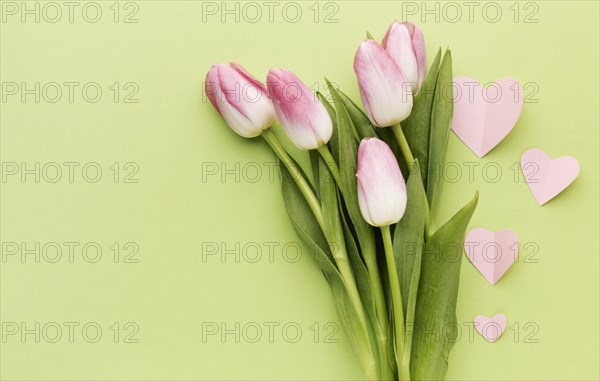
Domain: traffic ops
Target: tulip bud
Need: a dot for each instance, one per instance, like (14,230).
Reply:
(302,116)
(385,93)
(405,43)
(240,99)
(381,187)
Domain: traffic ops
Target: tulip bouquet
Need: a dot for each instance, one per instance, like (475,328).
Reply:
(368,205)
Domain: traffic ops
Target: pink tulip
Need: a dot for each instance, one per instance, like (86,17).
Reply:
(302,116)
(385,93)
(405,43)
(240,99)
(381,187)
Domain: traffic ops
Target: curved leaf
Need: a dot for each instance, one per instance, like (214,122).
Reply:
(416,127)
(304,221)
(308,229)
(333,142)
(347,160)
(362,124)
(435,315)
(441,119)
(409,239)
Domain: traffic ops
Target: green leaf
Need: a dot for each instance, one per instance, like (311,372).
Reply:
(327,105)
(363,282)
(416,127)
(304,221)
(353,329)
(370,36)
(409,240)
(347,148)
(308,229)
(441,118)
(331,213)
(333,142)
(347,155)
(362,124)
(343,247)
(435,315)
(314,166)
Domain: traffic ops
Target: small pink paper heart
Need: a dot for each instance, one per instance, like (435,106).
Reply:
(492,254)
(490,329)
(484,116)
(546,177)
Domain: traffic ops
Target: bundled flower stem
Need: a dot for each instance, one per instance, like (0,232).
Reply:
(369,170)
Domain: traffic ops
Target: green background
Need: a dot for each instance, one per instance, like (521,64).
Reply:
(172,213)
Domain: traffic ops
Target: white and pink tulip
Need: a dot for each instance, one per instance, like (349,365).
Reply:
(406,44)
(381,187)
(384,90)
(240,98)
(302,116)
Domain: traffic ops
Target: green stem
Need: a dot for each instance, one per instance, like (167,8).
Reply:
(403,372)
(387,374)
(381,310)
(403,143)
(341,255)
(372,269)
(370,257)
(304,187)
(335,235)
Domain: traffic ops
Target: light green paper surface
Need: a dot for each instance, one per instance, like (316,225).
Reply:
(184,202)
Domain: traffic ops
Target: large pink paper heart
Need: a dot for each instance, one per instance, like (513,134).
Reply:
(492,254)
(546,177)
(484,116)
(490,329)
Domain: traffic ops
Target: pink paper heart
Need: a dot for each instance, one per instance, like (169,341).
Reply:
(484,116)
(492,253)
(490,329)
(546,177)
